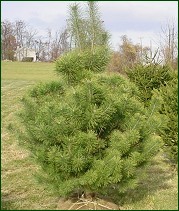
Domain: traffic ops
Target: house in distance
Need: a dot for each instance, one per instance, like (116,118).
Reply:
(26,54)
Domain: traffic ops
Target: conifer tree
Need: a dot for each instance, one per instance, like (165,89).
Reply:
(86,27)
(169,101)
(163,81)
(98,36)
(76,24)
(88,131)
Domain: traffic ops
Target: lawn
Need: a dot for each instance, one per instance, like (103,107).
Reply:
(20,191)
(35,71)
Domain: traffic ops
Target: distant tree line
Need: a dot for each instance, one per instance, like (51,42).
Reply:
(130,54)
(19,34)
(85,28)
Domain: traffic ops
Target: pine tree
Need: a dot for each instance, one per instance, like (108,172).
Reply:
(98,36)
(148,78)
(169,101)
(75,25)
(160,80)
(89,131)
(86,27)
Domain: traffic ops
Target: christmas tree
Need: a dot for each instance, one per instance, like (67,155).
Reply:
(163,81)
(89,131)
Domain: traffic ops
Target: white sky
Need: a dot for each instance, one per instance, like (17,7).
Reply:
(138,20)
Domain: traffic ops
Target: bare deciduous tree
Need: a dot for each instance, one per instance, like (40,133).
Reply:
(169,44)
(8,41)
(24,34)
(59,44)
(128,55)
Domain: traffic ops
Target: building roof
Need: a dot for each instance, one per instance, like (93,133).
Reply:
(24,48)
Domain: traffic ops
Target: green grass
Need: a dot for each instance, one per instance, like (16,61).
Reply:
(159,191)
(36,71)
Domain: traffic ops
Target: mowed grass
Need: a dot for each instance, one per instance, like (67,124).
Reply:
(36,71)
(20,191)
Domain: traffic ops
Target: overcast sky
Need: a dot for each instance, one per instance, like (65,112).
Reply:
(140,21)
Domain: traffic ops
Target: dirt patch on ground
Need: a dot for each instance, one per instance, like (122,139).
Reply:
(86,204)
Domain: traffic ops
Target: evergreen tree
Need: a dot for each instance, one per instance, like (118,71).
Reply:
(169,101)
(89,131)
(86,27)
(150,77)
(163,81)
(95,29)
(75,25)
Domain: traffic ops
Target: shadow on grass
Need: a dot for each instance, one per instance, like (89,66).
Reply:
(157,175)
(6,204)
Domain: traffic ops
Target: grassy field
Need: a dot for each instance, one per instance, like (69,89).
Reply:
(39,71)
(20,191)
